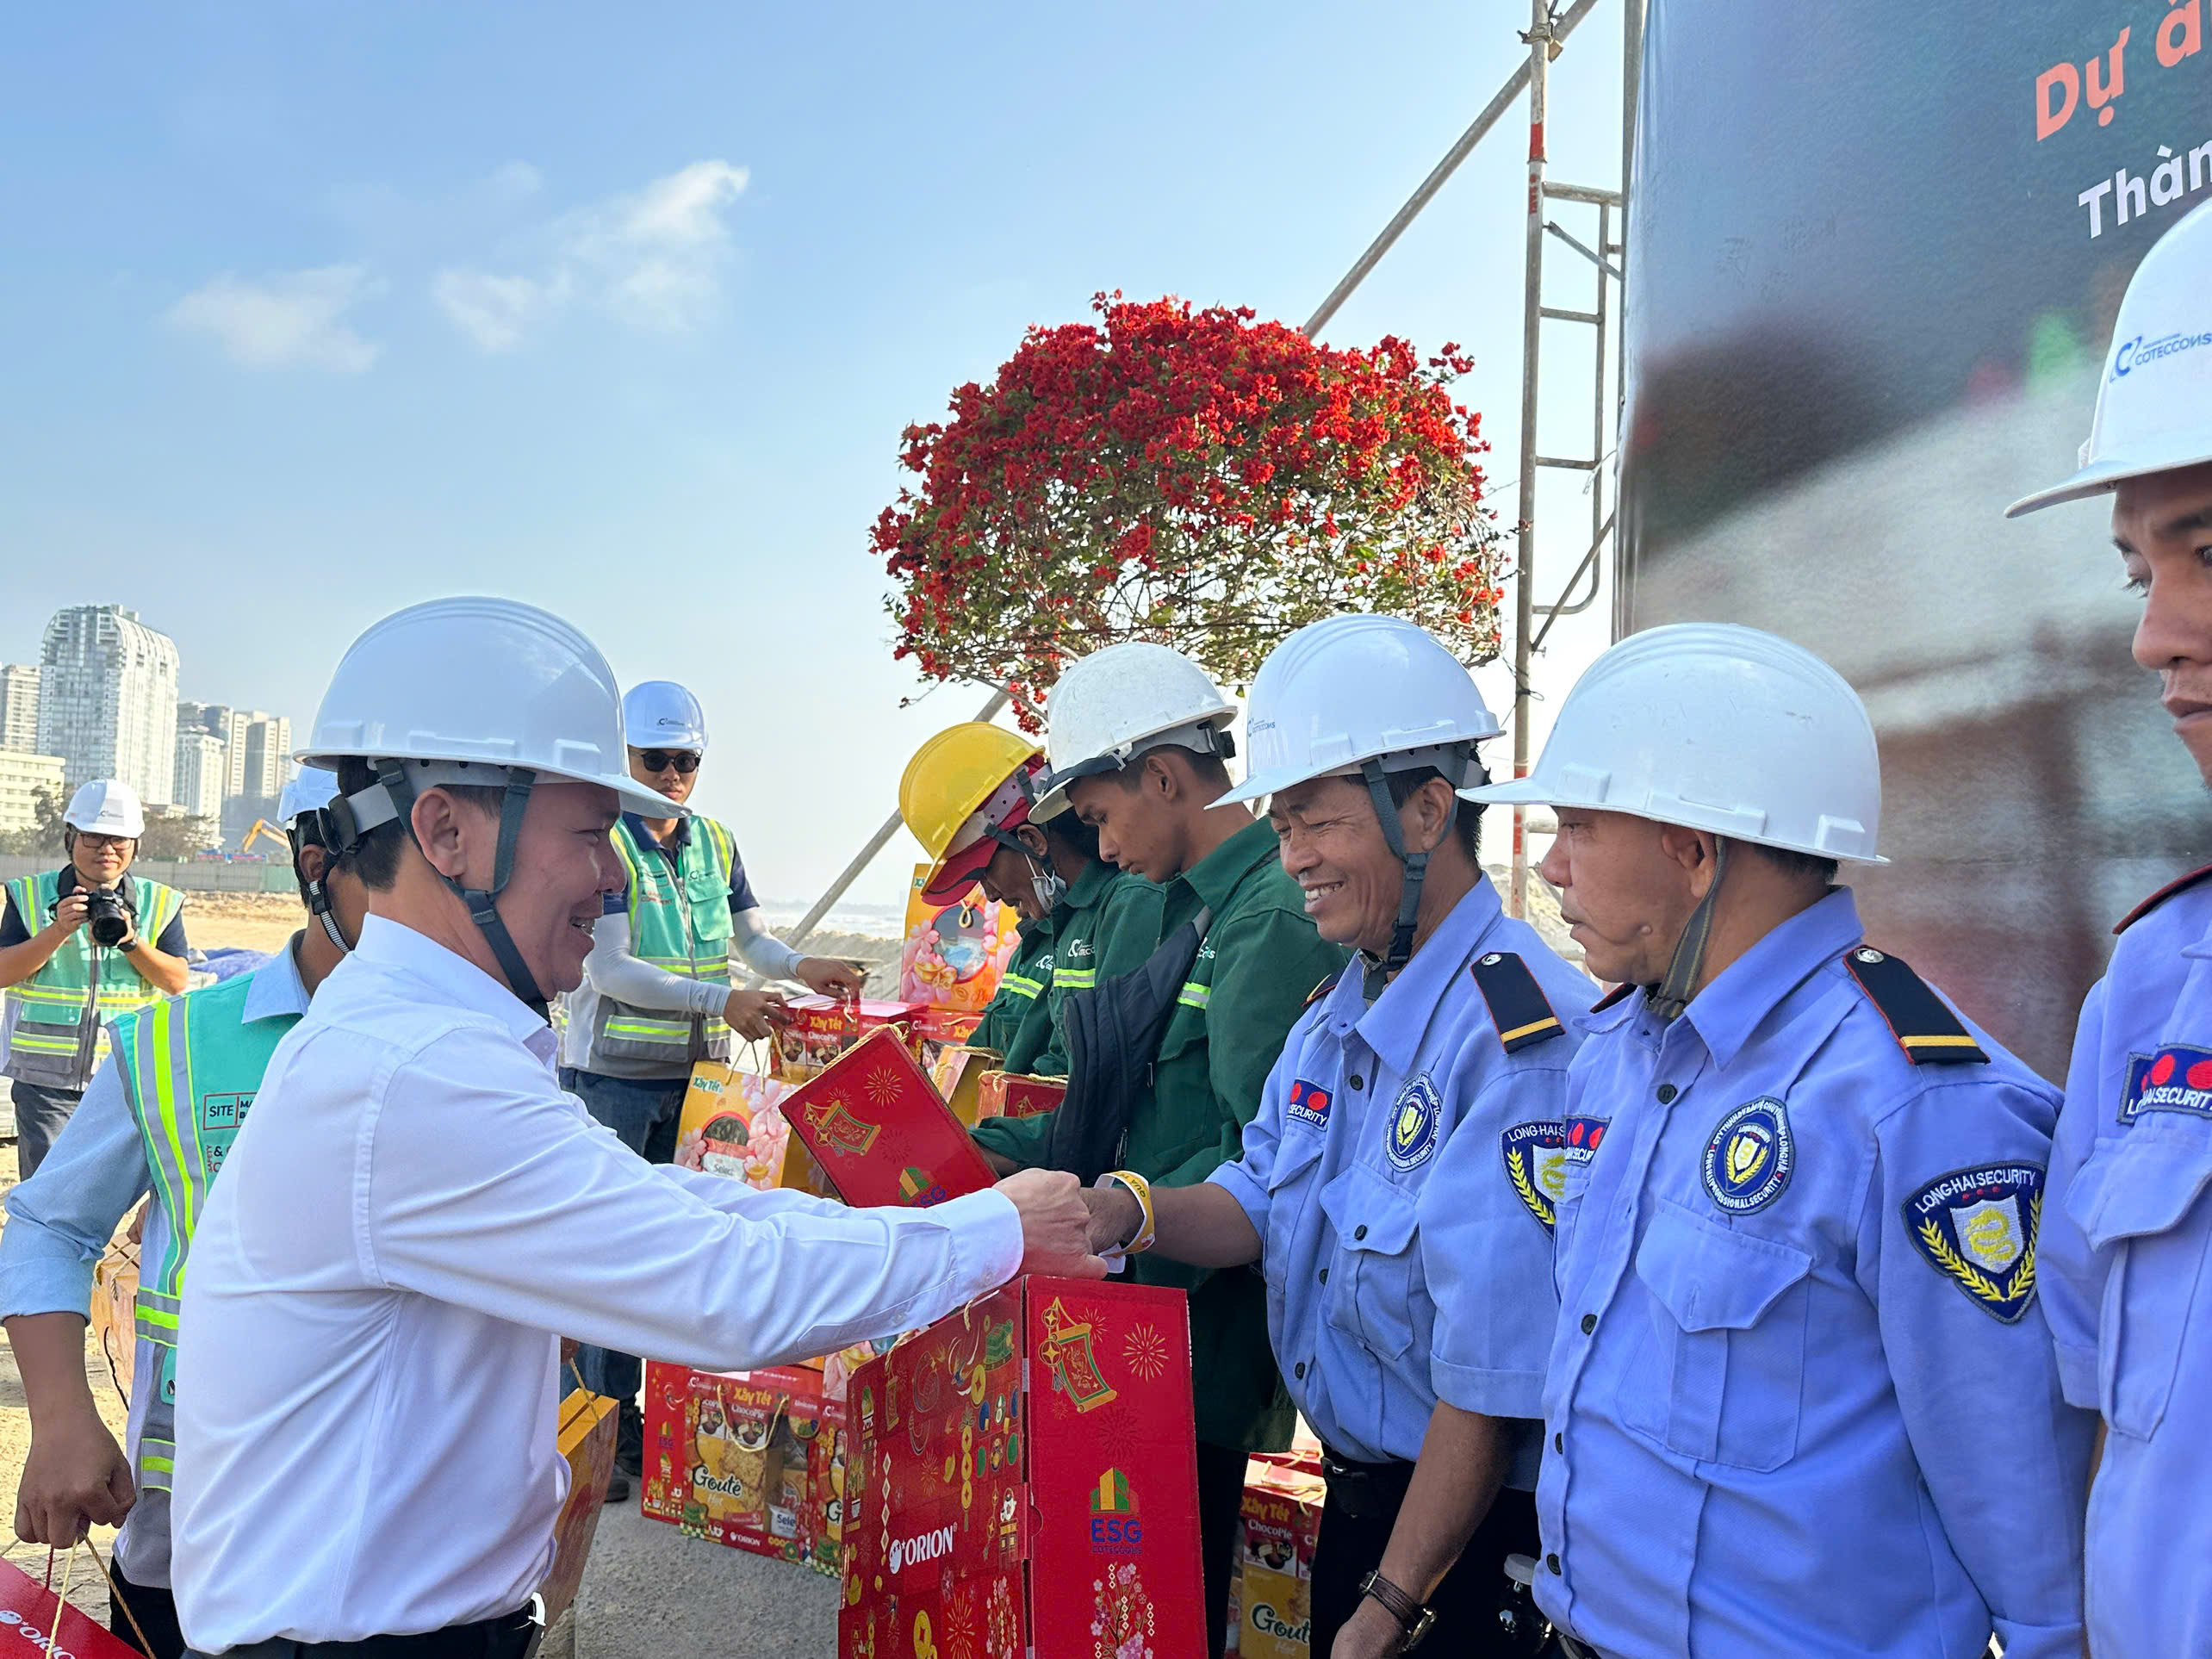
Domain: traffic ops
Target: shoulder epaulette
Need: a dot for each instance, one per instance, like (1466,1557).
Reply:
(1921,1021)
(2160,898)
(1324,988)
(1616,994)
(1519,1007)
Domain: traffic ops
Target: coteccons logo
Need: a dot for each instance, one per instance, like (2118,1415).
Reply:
(33,1635)
(2139,352)
(1114,1529)
(933,1545)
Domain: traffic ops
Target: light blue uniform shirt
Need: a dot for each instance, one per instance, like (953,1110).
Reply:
(1801,1400)
(1402,1265)
(2126,1289)
(59,1222)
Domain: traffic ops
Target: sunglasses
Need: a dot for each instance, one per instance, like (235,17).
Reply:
(660,760)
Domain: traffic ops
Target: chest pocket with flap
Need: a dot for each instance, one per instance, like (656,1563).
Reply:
(2134,1195)
(1722,1379)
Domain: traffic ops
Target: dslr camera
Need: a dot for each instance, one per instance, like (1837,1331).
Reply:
(107,918)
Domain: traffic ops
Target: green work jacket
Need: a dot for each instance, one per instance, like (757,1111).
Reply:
(1014,1019)
(1260,960)
(1107,925)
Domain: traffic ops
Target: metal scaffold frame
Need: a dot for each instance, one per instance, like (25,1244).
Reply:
(1546,34)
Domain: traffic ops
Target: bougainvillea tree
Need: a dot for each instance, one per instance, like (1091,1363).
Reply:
(1195,477)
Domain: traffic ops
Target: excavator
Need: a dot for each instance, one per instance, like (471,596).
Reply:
(263,829)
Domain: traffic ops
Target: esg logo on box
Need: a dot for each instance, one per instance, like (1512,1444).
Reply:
(1114,1529)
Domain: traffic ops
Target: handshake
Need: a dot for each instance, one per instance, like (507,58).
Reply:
(1065,1225)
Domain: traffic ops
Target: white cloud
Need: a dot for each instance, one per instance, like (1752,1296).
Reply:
(654,258)
(286,320)
(495,311)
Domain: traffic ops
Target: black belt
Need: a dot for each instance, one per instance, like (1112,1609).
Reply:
(1365,1491)
(509,1636)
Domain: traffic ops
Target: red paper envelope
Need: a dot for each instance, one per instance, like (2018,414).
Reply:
(880,1133)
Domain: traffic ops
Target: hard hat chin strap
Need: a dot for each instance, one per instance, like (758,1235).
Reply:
(1672,994)
(1046,881)
(483,909)
(1409,890)
(316,894)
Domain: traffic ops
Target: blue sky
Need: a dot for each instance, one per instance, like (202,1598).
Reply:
(317,311)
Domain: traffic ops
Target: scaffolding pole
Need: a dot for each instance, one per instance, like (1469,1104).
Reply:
(1539,38)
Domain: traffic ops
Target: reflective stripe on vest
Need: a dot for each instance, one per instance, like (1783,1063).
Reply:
(191,1067)
(1074,978)
(1195,994)
(1020,985)
(680,924)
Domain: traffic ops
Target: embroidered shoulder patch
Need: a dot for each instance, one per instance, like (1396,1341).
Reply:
(1977,1228)
(1749,1157)
(1536,1165)
(1413,1124)
(1309,1105)
(2174,1079)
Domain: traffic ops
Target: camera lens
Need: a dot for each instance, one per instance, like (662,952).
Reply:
(106,920)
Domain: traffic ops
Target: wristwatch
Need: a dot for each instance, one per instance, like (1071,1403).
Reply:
(1413,1617)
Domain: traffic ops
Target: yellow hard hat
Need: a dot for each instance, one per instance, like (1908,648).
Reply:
(946,784)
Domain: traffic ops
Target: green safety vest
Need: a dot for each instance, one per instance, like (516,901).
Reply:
(190,1067)
(679,922)
(55,1015)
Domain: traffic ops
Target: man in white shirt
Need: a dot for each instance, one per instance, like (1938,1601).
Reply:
(367,1378)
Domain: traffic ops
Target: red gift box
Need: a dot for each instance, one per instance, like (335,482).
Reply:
(823,1028)
(742,1458)
(881,1134)
(1016,1094)
(27,1609)
(1023,1478)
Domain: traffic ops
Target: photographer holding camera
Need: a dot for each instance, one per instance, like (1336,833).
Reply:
(74,954)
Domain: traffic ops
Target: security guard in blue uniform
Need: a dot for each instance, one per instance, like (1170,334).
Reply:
(1800,1399)
(1396,1186)
(2129,1228)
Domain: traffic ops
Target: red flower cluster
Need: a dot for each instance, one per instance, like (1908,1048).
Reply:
(1191,476)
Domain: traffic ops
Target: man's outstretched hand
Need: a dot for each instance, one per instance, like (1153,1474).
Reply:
(1055,1224)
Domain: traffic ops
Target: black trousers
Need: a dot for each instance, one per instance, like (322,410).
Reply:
(156,1611)
(1221,1528)
(1356,1524)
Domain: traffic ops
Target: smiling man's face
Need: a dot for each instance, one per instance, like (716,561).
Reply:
(2162,524)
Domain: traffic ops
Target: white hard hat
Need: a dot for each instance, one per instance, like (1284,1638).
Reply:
(1352,688)
(1122,700)
(468,687)
(309,790)
(106,807)
(660,714)
(1719,728)
(2154,404)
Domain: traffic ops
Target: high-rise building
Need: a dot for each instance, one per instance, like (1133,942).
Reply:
(23,777)
(108,699)
(207,716)
(19,705)
(260,753)
(201,769)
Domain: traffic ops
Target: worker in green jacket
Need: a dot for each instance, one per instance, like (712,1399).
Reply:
(965,797)
(1137,747)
